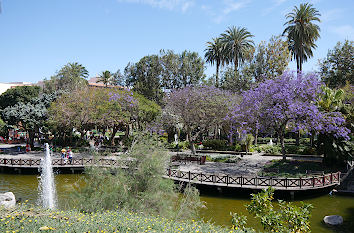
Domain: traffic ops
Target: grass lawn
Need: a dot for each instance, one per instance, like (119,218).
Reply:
(292,168)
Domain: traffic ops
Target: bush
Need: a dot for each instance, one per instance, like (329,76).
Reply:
(238,148)
(268,149)
(139,188)
(216,144)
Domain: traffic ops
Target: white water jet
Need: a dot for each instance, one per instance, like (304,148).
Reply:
(46,186)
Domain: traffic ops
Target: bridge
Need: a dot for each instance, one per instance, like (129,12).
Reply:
(217,180)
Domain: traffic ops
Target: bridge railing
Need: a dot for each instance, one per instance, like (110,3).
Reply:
(244,181)
(59,162)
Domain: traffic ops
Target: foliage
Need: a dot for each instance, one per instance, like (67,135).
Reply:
(338,67)
(269,149)
(31,115)
(155,73)
(145,77)
(291,169)
(198,108)
(105,77)
(271,59)
(216,144)
(215,53)
(302,32)
(140,187)
(70,77)
(286,102)
(23,94)
(236,81)
(288,217)
(3,129)
(25,218)
(237,43)
(336,150)
(181,70)
(112,108)
(247,141)
(223,159)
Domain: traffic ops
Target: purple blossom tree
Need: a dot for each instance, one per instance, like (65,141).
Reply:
(288,102)
(198,109)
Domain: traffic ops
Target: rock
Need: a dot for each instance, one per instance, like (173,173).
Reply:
(7,200)
(333,220)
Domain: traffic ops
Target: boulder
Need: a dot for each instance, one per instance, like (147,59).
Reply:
(333,220)
(7,200)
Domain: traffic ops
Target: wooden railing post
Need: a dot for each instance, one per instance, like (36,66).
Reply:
(324,180)
(82,161)
(12,162)
(241,178)
(227,180)
(286,182)
(313,181)
(189,176)
(331,178)
(20,162)
(300,182)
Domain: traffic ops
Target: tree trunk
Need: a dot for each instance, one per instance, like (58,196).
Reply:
(312,138)
(31,138)
(281,137)
(217,75)
(192,147)
(111,138)
(297,137)
(256,137)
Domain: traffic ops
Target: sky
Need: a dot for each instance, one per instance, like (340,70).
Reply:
(38,37)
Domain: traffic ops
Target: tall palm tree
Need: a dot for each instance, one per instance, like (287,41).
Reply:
(215,53)
(237,42)
(105,77)
(302,32)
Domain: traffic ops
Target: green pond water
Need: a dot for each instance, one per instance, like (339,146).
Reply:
(217,209)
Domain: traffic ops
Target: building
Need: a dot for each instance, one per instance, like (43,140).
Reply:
(5,86)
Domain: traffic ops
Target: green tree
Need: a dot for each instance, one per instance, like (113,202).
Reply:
(215,53)
(70,77)
(105,77)
(19,94)
(236,81)
(180,70)
(31,116)
(118,79)
(145,77)
(338,68)
(302,32)
(237,43)
(3,129)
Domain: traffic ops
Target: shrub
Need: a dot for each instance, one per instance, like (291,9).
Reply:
(287,217)
(238,148)
(268,149)
(139,188)
(216,144)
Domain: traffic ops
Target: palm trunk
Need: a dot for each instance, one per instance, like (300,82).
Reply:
(217,75)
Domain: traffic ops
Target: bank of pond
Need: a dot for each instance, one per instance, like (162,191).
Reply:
(218,206)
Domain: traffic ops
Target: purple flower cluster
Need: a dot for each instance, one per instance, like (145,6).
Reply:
(286,102)
(125,99)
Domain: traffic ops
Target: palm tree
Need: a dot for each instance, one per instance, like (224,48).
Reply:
(302,32)
(105,77)
(237,43)
(215,53)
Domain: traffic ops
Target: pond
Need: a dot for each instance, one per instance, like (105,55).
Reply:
(217,209)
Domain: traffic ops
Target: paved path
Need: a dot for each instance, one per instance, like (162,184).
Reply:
(248,165)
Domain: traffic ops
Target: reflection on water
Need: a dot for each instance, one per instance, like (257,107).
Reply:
(218,208)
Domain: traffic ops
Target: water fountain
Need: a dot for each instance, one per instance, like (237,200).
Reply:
(46,187)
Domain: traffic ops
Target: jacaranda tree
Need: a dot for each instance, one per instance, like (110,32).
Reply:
(288,102)
(199,108)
